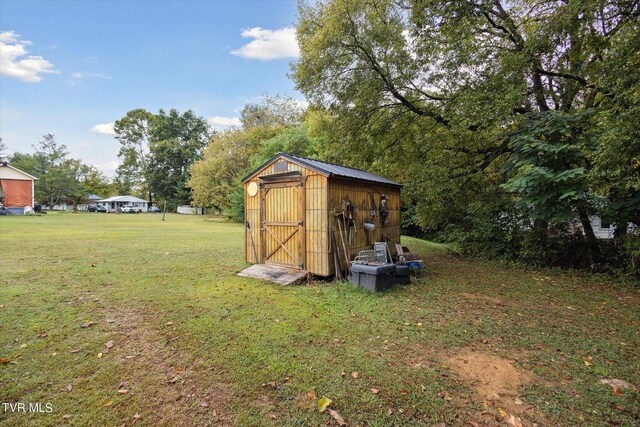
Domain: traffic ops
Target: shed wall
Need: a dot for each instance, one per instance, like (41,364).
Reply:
(359,194)
(315,220)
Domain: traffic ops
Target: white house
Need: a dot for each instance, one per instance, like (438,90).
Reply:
(115,203)
(16,188)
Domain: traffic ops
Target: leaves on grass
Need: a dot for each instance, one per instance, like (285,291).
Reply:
(4,360)
(443,394)
(99,355)
(204,404)
(355,375)
(336,416)
(123,391)
(69,387)
(323,403)
(87,323)
(343,373)
(375,390)
(109,344)
(169,323)
(76,350)
(43,334)
(619,384)
(107,402)
(66,417)
(110,320)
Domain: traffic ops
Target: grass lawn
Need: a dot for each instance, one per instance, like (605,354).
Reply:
(190,343)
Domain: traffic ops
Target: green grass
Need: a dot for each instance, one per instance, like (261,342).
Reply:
(187,330)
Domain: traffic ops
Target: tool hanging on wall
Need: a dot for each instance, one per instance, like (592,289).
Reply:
(384,211)
(336,254)
(343,238)
(349,212)
(253,246)
(372,210)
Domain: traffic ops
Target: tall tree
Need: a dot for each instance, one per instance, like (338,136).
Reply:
(438,91)
(177,141)
(133,134)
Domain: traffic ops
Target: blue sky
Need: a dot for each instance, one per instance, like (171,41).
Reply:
(71,68)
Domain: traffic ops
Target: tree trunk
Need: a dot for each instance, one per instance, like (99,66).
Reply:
(590,237)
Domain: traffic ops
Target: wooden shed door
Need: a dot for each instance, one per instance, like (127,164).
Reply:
(282,216)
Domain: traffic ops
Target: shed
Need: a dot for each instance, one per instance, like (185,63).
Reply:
(290,212)
(16,188)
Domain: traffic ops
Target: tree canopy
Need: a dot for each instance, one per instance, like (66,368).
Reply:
(459,98)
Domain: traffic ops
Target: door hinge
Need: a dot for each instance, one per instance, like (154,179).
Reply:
(301,223)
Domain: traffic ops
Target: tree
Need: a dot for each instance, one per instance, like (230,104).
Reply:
(177,141)
(133,134)
(157,150)
(56,172)
(437,91)
(229,156)
(3,149)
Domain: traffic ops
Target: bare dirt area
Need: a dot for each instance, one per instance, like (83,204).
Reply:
(173,386)
(496,382)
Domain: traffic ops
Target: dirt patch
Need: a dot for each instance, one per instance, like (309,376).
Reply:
(497,382)
(174,386)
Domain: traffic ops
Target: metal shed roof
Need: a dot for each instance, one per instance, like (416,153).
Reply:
(327,169)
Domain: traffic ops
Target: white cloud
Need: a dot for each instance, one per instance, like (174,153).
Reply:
(221,123)
(269,44)
(108,168)
(15,61)
(76,77)
(105,128)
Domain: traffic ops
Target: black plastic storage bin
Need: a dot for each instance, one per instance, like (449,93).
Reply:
(375,278)
(401,275)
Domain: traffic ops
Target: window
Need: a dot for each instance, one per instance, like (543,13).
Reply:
(604,223)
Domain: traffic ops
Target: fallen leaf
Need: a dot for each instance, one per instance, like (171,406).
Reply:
(204,404)
(503,413)
(109,344)
(99,355)
(473,424)
(86,324)
(66,417)
(273,416)
(443,394)
(323,403)
(343,373)
(54,354)
(93,265)
(518,402)
(336,416)
(69,387)
(617,391)
(4,360)
(173,380)
(42,334)
(389,412)
(110,320)
(169,323)
(178,370)
(375,391)
(354,375)
(75,350)
(587,363)
(123,391)
(107,402)
(622,385)
(402,391)
(23,346)
(618,407)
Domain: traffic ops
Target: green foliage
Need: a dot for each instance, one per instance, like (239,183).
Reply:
(268,128)
(548,168)
(156,152)
(439,95)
